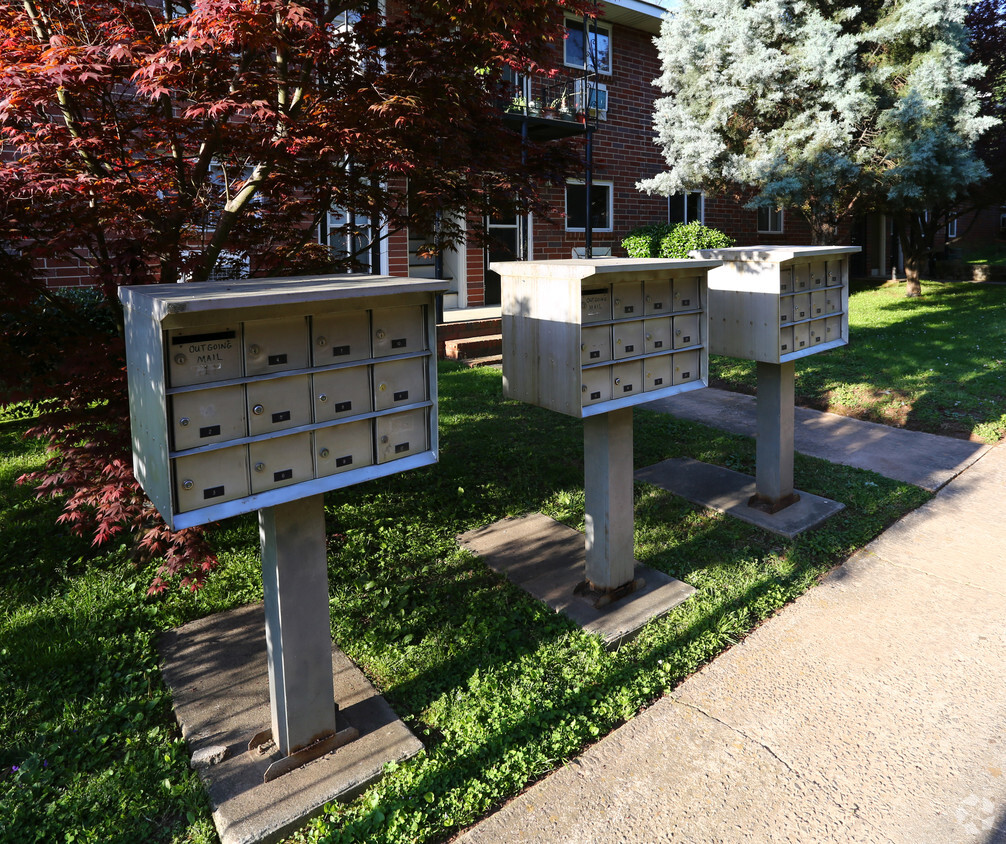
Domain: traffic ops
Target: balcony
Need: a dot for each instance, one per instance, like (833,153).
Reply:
(551,106)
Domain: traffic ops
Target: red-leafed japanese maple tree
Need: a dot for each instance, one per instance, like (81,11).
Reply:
(150,140)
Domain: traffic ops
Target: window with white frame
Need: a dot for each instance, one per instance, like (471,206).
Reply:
(601,206)
(685,208)
(951,228)
(348,236)
(769,220)
(590,53)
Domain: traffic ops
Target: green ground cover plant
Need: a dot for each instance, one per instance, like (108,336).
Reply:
(934,363)
(499,689)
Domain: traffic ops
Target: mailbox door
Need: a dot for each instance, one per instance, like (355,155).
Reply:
(626,339)
(833,301)
(801,278)
(817,332)
(801,307)
(199,356)
(279,403)
(596,385)
(397,331)
(211,477)
(280,462)
(818,275)
(657,334)
(595,305)
(626,379)
(686,331)
(801,336)
(685,293)
(656,297)
(342,392)
(340,338)
(399,382)
(786,309)
(657,372)
(817,300)
(626,299)
(835,272)
(401,434)
(786,284)
(344,447)
(786,340)
(275,345)
(208,416)
(833,328)
(595,343)
(686,367)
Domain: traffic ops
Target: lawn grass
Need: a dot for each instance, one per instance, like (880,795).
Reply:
(935,363)
(499,689)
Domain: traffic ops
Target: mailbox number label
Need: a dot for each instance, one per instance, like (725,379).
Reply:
(339,351)
(401,447)
(344,461)
(210,431)
(342,406)
(284,475)
(282,416)
(658,381)
(401,395)
(400,343)
(276,360)
(213,492)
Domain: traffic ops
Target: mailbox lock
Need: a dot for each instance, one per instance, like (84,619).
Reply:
(324,452)
(583,389)
(649,336)
(323,397)
(254,350)
(180,359)
(260,467)
(384,439)
(258,410)
(380,334)
(383,387)
(618,380)
(322,341)
(184,421)
(187,484)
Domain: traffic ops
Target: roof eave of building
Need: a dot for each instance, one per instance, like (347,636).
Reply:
(637,14)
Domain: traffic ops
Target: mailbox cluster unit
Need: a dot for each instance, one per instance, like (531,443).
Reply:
(778,303)
(584,337)
(249,394)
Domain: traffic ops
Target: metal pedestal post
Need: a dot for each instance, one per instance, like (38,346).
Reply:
(607,457)
(774,449)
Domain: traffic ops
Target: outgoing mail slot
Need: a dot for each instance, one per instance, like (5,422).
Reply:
(595,305)
(280,462)
(801,336)
(786,340)
(817,300)
(340,338)
(685,294)
(626,299)
(200,356)
(401,434)
(833,301)
(686,331)
(657,334)
(801,278)
(817,274)
(817,328)
(835,272)
(833,328)
(626,379)
(275,345)
(279,403)
(344,447)
(595,344)
(208,416)
(686,367)
(399,382)
(342,392)
(398,331)
(211,477)
(657,373)
(596,386)
(626,339)
(801,306)
(656,297)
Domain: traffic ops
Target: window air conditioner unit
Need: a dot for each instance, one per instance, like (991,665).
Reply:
(592,97)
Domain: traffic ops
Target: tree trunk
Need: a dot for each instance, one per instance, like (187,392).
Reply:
(823,232)
(913,246)
(913,287)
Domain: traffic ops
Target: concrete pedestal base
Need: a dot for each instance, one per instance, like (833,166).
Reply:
(546,559)
(217,672)
(729,492)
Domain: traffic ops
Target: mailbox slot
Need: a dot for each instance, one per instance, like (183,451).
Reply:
(401,434)
(786,340)
(211,477)
(835,273)
(626,299)
(801,336)
(657,373)
(595,345)
(687,331)
(657,335)
(595,305)
(596,385)
(342,448)
(832,301)
(626,379)
(801,278)
(203,355)
(801,307)
(817,328)
(398,331)
(340,337)
(279,403)
(686,367)
(786,280)
(280,461)
(818,274)
(342,392)
(656,297)
(399,382)
(626,339)
(203,417)
(786,309)
(833,328)
(817,303)
(275,345)
(685,293)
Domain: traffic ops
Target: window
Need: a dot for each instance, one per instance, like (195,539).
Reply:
(769,220)
(952,229)
(685,208)
(600,206)
(595,54)
(348,236)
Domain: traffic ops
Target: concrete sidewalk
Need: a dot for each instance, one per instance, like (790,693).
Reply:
(873,709)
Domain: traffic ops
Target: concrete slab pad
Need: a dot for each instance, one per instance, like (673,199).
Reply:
(216,670)
(729,492)
(547,559)
(925,460)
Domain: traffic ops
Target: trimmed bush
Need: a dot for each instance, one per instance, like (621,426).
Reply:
(663,240)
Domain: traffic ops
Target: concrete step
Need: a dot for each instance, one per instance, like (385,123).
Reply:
(462,348)
(459,330)
(488,360)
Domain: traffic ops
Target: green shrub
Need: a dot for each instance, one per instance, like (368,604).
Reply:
(663,240)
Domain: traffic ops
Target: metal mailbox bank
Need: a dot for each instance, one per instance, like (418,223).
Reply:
(262,395)
(591,339)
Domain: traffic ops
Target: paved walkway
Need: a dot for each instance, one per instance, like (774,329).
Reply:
(873,709)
